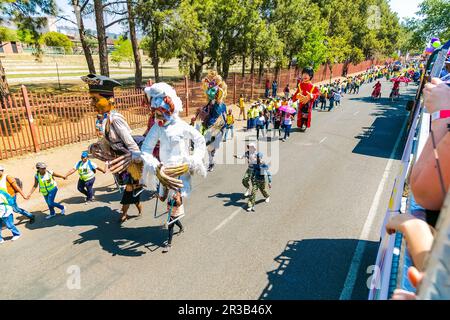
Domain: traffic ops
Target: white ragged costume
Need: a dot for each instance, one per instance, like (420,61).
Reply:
(175,136)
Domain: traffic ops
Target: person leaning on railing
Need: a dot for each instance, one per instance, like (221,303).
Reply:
(428,186)
(425,178)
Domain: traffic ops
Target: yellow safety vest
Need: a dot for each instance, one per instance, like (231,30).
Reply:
(3,190)
(85,170)
(46,183)
(241,103)
(230,119)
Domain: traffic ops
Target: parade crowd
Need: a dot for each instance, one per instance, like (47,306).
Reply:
(153,161)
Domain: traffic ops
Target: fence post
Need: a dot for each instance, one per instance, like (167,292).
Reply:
(234,88)
(252,87)
(289,77)
(186,88)
(30,119)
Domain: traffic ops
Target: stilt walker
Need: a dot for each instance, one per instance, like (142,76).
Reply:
(306,94)
(211,119)
(176,163)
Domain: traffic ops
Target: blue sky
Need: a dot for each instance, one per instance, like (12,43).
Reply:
(404,8)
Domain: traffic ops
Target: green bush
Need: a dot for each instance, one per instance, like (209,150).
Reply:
(56,39)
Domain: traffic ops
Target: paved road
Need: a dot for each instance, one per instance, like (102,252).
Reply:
(302,245)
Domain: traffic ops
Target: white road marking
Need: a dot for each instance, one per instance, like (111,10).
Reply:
(356,113)
(323,140)
(224,222)
(347,291)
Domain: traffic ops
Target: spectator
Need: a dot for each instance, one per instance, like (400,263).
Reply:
(287,124)
(241,107)
(425,181)
(44,179)
(86,171)
(277,120)
(99,125)
(274,88)
(260,124)
(323,100)
(6,215)
(418,236)
(229,125)
(266,119)
(267,92)
(337,97)
(287,91)
(13,187)
(331,98)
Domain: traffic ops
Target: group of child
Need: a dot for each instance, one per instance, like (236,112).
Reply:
(44,180)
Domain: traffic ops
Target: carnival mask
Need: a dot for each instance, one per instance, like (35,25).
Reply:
(211,92)
(163,110)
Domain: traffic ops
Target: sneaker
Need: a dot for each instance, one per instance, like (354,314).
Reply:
(63,211)
(250,209)
(50,216)
(15,238)
(247,193)
(181,231)
(267,199)
(32,219)
(211,168)
(2,241)
(167,248)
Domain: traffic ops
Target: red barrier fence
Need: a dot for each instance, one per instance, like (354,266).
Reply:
(31,122)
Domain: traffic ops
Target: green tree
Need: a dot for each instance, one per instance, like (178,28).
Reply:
(28,15)
(123,51)
(156,19)
(56,39)
(193,37)
(8,35)
(432,21)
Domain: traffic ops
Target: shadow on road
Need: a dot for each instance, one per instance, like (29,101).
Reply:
(113,237)
(316,269)
(231,199)
(378,140)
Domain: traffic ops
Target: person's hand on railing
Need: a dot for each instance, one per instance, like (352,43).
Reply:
(397,223)
(436,95)
(415,277)
(417,233)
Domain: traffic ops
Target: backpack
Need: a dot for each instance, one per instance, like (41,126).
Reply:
(19,183)
(89,165)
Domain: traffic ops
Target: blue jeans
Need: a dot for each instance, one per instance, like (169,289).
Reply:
(259,127)
(50,199)
(287,130)
(229,127)
(9,223)
(86,188)
(331,105)
(20,210)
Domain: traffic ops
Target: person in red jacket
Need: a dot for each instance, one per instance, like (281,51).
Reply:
(306,94)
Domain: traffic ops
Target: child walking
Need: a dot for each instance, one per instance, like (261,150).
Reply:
(259,172)
(175,208)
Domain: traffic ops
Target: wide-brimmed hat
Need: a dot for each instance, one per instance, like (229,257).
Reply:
(100,84)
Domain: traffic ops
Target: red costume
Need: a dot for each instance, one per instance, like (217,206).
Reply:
(305,89)
(377,91)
